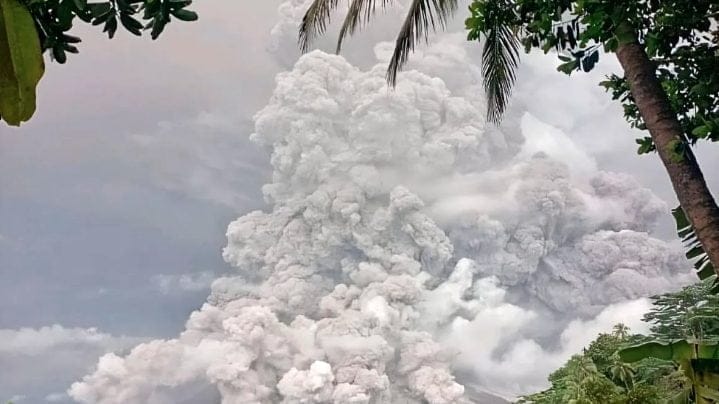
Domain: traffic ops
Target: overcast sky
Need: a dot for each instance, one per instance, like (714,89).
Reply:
(115,198)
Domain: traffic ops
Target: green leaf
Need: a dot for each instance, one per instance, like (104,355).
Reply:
(548,45)
(21,63)
(651,41)
(591,60)
(65,14)
(131,24)
(111,26)
(646,145)
(701,131)
(58,54)
(625,34)
(708,352)
(124,6)
(80,4)
(677,150)
(99,9)
(158,25)
(568,67)
(184,15)
(611,44)
(695,252)
(675,351)
(70,39)
(500,58)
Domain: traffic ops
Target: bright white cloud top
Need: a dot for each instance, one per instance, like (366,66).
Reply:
(412,252)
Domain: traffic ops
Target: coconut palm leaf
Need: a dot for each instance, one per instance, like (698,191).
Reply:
(695,250)
(422,16)
(500,58)
(359,13)
(500,53)
(315,21)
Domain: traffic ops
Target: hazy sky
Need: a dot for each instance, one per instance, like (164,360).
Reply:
(115,198)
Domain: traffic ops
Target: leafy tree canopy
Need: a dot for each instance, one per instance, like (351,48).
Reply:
(55,18)
(681,37)
(691,313)
(28,28)
(598,375)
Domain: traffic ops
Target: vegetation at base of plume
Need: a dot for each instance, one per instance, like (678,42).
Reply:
(599,375)
(28,28)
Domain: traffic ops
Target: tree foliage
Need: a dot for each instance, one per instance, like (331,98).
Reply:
(55,18)
(691,313)
(625,368)
(29,28)
(500,54)
(597,376)
(681,37)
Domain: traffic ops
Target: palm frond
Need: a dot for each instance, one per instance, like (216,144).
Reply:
(359,13)
(422,16)
(500,58)
(695,250)
(315,21)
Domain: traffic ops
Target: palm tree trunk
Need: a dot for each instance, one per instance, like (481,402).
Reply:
(685,174)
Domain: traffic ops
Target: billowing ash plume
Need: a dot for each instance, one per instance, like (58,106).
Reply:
(411,253)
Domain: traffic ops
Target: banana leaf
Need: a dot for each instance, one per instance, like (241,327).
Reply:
(21,63)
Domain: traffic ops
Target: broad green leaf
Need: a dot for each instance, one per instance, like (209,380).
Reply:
(568,67)
(99,9)
(131,24)
(184,15)
(670,351)
(21,63)
(708,352)
(681,350)
(707,393)
(701,131)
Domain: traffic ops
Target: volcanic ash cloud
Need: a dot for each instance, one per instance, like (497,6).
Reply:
(362,285)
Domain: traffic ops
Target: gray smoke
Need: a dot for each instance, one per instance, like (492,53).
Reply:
(413,253)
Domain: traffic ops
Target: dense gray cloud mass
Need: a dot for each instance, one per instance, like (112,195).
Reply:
(410,250)
(557,237)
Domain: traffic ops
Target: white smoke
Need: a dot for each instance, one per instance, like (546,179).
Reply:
(413,253)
